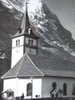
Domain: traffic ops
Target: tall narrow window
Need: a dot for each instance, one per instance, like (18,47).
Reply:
(29,89)
(30,42)
(17,42)
(73,90)
(54,85)
(64,89)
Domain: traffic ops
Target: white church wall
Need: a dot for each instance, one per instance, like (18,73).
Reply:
(10,84)
(37,88)
(22,89)
(19,86)
(47,85)
(40,87)
(17,51)
(21,38)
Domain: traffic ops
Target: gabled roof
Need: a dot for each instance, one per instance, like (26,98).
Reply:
(41,65)
(24,68)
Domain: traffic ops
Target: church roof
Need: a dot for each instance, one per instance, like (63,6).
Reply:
(41,66)
(24,68)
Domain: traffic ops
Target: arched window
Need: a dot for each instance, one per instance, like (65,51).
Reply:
(53,92)
(29,89)
(73,90)
(64,89)
(54,85)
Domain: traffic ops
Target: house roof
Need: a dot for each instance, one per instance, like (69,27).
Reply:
(41,65)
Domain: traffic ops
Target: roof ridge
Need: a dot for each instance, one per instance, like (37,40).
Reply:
(35,65)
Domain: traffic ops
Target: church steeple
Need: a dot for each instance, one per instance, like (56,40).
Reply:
(25,40)
(25,24)
(30,39)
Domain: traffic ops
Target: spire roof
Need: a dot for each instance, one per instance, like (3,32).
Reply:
(25,24)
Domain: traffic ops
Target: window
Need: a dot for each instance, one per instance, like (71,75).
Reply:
(30,42)
(73,91)
(35,43)
(53,92)
(17,42)
(29,89)
(64,89)
(27,41)
(54,85)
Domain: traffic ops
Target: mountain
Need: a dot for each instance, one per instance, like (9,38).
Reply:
(54,36)
(8,27)
(50,29)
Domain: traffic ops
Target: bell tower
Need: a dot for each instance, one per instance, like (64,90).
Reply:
(24,41)
(31,42)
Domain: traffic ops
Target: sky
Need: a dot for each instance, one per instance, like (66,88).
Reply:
(65,10)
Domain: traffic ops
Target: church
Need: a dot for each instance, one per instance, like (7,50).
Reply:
(34,68)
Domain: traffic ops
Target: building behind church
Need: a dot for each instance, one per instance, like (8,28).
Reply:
(34,68)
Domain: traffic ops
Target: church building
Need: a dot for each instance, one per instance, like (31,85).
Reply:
(34,69)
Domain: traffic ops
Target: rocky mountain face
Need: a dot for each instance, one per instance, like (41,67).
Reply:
(50,29)
(8,27)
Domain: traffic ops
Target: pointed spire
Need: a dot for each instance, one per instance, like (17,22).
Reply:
(25,24)
(25,21)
